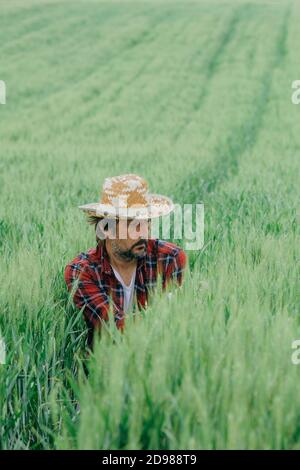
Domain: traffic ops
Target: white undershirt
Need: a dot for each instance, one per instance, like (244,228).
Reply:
(128,290)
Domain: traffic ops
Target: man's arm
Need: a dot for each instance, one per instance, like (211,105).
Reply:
(176,267)
(173,264)
(88,292)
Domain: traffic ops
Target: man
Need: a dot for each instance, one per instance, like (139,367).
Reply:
(126,264)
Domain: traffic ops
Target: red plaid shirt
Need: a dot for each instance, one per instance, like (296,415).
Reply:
(98,287)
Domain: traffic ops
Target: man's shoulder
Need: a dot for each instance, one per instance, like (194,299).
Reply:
(84,261)
(84,258)
(166,250)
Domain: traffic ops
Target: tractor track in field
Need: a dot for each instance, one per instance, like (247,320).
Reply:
(211,66)
(129,82)
(41,24)
(203,181)
(137,40)
(31,27)
(162,97)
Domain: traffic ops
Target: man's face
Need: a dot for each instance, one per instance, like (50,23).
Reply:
(130,239)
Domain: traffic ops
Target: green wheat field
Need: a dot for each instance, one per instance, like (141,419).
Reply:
(195,96)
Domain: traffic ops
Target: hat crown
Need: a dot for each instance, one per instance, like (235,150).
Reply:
(126,196)
(127,190)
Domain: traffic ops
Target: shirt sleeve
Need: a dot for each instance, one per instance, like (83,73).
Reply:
(174,267)
(87,292)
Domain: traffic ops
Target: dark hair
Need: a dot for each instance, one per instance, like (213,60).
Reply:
(93,220)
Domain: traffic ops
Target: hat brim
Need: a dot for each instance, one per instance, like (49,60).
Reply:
(158,205)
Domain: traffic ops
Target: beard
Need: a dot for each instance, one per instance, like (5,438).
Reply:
(129,255)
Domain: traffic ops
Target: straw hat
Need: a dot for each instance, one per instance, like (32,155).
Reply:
(127,196)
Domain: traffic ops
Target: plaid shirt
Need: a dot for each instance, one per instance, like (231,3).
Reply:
(98,288)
